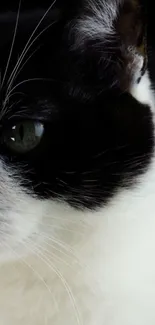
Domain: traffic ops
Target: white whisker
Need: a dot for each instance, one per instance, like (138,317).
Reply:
(52,267)
(16,73)
(7,109)
(53,255)
(37,252)
(12,45)
(35,272)
(23,65)
(28,45)
(22,82)
(61,227)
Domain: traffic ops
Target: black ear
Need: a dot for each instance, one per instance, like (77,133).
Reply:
(106,43)
(131,25)
(131,30)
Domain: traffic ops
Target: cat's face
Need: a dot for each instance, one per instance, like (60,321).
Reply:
(70,130)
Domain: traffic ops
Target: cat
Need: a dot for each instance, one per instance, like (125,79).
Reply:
(77,163)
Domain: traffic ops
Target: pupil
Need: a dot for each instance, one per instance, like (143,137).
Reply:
(21,132)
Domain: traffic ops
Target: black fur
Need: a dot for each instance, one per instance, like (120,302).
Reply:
(97,138)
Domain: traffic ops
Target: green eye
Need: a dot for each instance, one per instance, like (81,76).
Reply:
(24,136)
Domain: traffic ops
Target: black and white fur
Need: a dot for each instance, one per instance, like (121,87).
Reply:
(77,214)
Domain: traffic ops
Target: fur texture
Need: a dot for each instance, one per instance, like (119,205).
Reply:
(77,213)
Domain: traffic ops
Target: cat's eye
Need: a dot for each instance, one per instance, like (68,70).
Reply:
(23,136)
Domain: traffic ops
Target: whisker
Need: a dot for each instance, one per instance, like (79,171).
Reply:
(49,253)
(16,73)
(30,56)
(63,249)
(69,265)
(7,100)
(61,227)
(15,103)
(29,40)
(5,109)
(12,45)
(24,81)
(52,267)
(35,272)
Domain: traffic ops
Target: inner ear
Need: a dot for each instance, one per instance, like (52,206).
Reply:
(131,28)
(131,25)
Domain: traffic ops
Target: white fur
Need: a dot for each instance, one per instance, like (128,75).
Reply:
(60,266)
(79,268)
(140,91)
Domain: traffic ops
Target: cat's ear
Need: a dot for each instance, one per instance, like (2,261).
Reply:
(105,19)
(107,39)
(131,28)
(131,25)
